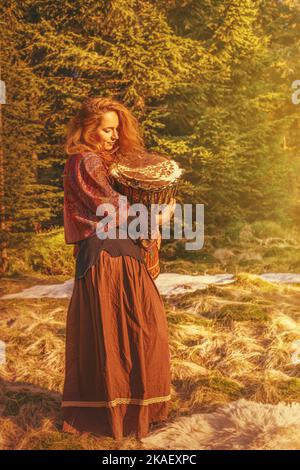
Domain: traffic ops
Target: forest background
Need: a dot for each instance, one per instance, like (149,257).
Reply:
(211,83)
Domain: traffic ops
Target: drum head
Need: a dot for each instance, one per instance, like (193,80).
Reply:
(152,172)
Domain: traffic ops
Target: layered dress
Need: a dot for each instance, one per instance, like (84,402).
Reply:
(117,358)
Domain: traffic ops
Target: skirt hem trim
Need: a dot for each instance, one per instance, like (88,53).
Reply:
(117,401)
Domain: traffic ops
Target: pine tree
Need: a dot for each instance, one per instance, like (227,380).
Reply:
(210,83)
(237,165)
(20,131)
(124,49)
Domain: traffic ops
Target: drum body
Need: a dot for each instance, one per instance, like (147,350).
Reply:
(139,194)
(151,257)
(154,180)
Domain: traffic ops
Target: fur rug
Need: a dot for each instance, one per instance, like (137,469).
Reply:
(240,425)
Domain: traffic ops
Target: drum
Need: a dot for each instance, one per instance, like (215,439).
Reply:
(151,179)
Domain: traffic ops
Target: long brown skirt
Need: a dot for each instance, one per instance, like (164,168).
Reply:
(117,367)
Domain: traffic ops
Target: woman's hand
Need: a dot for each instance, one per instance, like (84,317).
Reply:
(167,213)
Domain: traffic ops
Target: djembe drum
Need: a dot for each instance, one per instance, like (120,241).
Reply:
(151,179)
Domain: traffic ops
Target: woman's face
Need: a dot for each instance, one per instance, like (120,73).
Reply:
(107,132)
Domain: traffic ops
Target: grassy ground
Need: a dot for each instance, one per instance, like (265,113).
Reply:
(254,248)
(227,342)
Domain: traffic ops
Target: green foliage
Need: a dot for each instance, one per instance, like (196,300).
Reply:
(210,83)
(45,253)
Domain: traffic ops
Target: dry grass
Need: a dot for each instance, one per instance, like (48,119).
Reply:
(228,342)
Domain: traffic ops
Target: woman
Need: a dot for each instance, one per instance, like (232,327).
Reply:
(117,369)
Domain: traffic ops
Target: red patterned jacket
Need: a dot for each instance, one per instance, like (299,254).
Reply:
(86,185)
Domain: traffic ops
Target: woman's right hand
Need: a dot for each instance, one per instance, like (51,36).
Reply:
(167,213)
